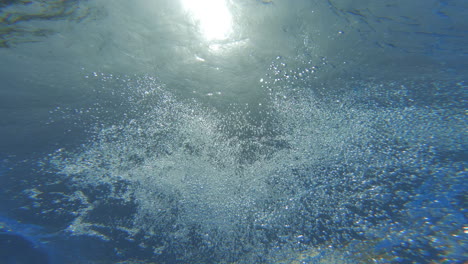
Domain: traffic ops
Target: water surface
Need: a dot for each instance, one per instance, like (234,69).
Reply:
(234,131)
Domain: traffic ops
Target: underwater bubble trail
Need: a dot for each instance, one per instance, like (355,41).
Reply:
(331,172)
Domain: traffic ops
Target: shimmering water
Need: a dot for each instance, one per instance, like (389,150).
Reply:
(234,131)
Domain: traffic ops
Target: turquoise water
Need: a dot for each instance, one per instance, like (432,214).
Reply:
(233,131)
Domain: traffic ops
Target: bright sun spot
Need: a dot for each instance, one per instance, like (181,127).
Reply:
(212,17)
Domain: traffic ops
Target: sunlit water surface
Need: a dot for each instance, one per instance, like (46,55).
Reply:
(233,131)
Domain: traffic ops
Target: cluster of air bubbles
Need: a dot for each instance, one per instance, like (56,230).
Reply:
(306,175)
(285,74)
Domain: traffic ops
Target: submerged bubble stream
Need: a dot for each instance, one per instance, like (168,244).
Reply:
(189,182)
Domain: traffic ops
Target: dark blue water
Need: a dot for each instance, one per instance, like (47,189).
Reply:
(233,132)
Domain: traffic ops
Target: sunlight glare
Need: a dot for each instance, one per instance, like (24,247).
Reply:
(212,16)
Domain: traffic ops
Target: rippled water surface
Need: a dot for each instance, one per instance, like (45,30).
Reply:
(239,131)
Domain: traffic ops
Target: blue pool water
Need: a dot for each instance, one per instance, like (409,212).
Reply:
(213,131)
